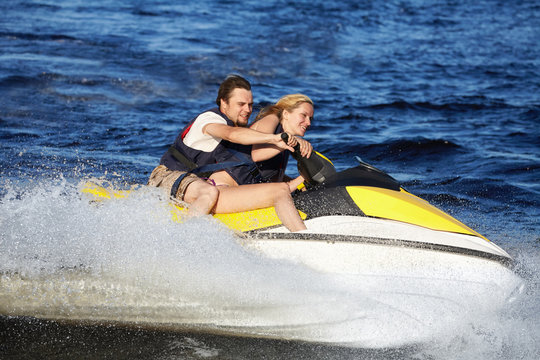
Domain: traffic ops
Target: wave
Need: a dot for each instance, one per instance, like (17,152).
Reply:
(38,37)
(497,191)
(404,149)
(460,104)
(18,80)
(47,77)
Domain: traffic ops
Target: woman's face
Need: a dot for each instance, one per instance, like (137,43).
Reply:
(298,121)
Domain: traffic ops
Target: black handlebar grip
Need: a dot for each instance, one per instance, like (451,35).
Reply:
(285,138)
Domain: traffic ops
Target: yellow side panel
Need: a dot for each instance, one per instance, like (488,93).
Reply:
(405,207)
(244,221)
(101,192)
(252,220)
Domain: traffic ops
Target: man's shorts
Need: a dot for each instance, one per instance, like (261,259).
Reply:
(164,178)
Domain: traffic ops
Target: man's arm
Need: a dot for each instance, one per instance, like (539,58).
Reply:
(244,136)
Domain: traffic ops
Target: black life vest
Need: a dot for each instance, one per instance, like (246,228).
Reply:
(273,169)
(235,159)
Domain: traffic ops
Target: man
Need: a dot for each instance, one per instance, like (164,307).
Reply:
(216,142)
(219,136)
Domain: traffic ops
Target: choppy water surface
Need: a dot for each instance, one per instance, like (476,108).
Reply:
(443,96)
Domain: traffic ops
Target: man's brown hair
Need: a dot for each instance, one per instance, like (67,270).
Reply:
(228,85)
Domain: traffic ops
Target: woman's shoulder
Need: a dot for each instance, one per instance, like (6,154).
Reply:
(267,123)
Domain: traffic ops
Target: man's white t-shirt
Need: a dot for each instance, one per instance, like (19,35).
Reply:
(195,137)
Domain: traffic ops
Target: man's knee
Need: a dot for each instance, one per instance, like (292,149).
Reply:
(201,189)
(211,192)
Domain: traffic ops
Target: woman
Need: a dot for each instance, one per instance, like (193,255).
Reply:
(292,114)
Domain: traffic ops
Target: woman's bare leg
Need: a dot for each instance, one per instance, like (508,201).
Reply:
(257,196)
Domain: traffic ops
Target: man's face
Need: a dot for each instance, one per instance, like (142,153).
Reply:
(239,107)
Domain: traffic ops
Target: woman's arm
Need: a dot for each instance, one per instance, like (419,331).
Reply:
(267,124)
(294,183)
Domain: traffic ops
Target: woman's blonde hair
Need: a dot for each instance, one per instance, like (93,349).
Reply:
(288,102)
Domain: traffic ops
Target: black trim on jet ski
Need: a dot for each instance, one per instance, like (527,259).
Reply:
(331,238)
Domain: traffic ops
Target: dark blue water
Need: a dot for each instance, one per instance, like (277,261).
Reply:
(445,96)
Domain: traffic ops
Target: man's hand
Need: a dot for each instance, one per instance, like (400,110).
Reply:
(278,141)
(305,146)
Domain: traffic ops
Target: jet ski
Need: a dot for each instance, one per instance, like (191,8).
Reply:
(401,263)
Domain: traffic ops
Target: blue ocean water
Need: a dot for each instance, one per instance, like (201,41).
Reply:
(443,95)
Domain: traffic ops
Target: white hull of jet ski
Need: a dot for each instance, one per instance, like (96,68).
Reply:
(420,262)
